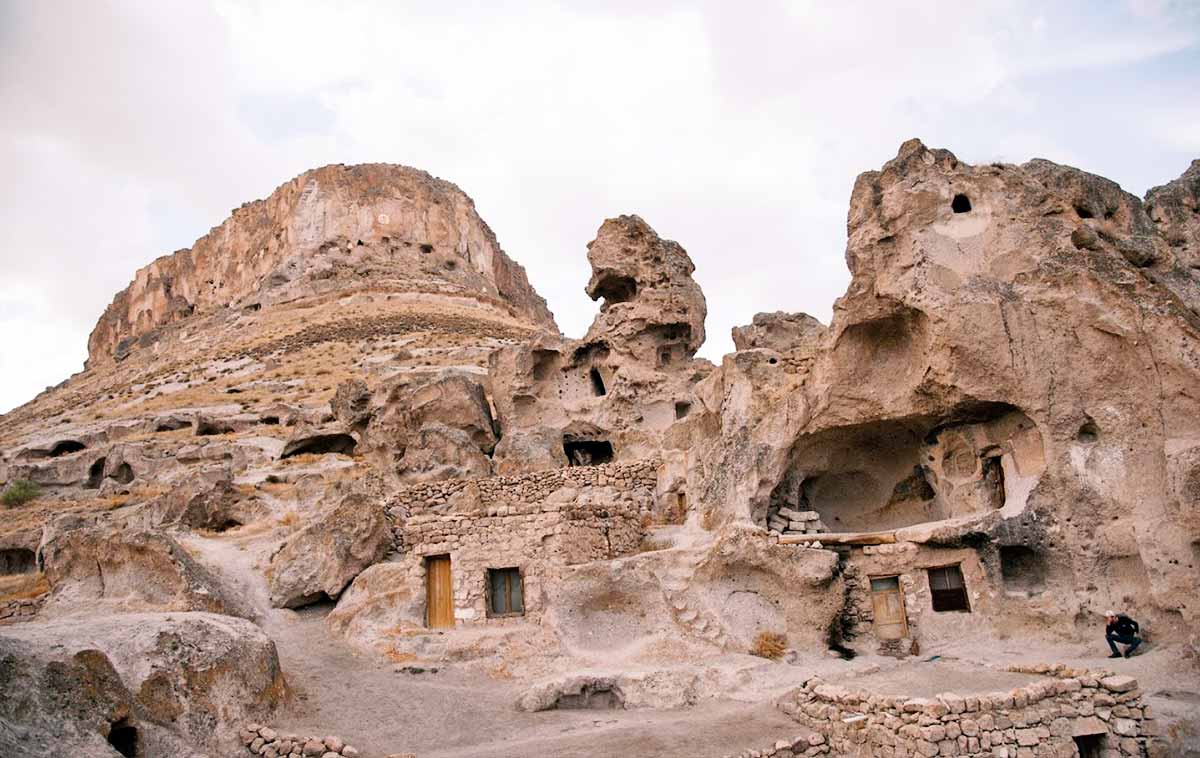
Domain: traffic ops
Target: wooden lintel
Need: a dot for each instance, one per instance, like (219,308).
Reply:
(840,538)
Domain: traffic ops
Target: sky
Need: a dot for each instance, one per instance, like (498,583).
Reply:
(129,129)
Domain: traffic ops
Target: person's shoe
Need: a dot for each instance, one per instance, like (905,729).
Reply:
(1128,653)
(1115,655)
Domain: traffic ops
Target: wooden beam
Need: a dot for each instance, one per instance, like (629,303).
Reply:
(840,538)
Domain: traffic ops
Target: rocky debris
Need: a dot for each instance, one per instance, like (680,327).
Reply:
(103,566)
(176,681)
(267,742)
(332,549)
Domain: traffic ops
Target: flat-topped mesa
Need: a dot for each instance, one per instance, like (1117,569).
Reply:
(374,225)
(648,291)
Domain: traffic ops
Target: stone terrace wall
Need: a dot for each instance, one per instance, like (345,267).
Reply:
(536,522)
(1040,719)
(12,611)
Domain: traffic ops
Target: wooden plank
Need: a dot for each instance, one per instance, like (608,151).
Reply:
(841,538)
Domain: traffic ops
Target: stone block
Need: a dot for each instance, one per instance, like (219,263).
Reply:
(1119,683)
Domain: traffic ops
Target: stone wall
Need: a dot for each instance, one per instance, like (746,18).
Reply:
(536,523)
(12,611)
(910,562)
(1044,718)
(268,743)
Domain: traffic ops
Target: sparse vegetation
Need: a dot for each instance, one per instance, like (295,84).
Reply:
(769,645)
(20,492)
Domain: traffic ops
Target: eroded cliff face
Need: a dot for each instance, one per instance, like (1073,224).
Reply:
(396,227)
(1015,365)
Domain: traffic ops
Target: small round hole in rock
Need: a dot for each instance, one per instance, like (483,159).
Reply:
(960,204)
(1083,212)
(1088,433)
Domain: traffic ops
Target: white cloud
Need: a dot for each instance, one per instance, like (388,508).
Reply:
(129,129)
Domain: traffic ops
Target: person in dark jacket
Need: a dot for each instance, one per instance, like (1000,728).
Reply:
(1121,629)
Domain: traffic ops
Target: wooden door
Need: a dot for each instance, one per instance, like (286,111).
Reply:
(888,603)
(439,592)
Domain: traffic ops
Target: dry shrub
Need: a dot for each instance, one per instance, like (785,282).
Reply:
(769,645)
(290,518)
(23,587)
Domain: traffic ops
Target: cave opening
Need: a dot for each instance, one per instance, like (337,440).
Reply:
(17,560)
(682,408)
(615,289)
(960,204)
(598,388)
(587,452)
(207,428)
(123,737)
(1089,745)
(96,474)
(321,444)
(66,446)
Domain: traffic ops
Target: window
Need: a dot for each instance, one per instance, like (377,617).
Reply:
(961,204)
(506,592)
(948,590)
(587,452)
(597,382)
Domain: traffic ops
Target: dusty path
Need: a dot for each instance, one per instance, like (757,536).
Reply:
(456,713)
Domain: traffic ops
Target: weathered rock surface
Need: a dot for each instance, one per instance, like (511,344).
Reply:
(301,237)
(324,556)
(1014,359)
(180,680)
(105,567)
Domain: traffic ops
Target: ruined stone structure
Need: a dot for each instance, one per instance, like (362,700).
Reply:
(348,400)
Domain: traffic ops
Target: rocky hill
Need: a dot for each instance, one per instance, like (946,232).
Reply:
(341,440)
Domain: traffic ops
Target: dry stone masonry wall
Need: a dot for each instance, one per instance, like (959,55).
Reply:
(535,523)
(1064,714)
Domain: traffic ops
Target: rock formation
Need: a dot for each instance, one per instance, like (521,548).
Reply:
(348,394)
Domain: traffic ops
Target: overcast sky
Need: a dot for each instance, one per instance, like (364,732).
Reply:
(127,130)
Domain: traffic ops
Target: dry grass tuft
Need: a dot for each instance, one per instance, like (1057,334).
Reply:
(769,645)
(23,587)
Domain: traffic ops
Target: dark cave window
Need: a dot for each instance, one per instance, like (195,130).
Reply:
(1083,212)
(682,409)
(506,592)
(96,474)
(321,444)
(67,446)
(124,739)
(948,591)
(598,388)
(961,204)
(664,356)
(587,452)
(17,560)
